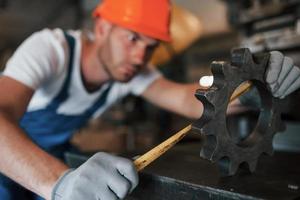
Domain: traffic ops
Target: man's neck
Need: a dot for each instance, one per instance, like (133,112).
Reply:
(93,73)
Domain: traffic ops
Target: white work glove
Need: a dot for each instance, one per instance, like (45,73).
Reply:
(282,78)
(102,177)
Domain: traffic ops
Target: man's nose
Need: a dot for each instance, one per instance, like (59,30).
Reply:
(140,54)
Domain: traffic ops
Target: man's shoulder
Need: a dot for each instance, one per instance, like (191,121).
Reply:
(49,35)
(41,56)
(56,35)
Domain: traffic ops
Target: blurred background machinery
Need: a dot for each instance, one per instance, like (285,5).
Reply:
(132,124)
(204,31)
(266,25)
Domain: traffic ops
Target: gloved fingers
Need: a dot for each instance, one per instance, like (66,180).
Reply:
(89,184)
(287,82)
(128,170)
(295,85)
(287,66)
(117,173)
(106,194)
(119,185)
(82,193)
(274,69)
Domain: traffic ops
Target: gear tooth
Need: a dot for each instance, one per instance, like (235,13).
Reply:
(280,126)
(224,165)
(238,56)
(269,149)
(211,92)
(227,166)
(209,147)
(205,154)
(209,109)
(233,168)
(217,68)
(216,98)
(252,165)
(206,95)
(218,71)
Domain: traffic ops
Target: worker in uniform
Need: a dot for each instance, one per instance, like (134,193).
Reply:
(57,80)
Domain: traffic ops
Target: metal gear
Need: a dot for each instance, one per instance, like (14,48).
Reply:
(219,146)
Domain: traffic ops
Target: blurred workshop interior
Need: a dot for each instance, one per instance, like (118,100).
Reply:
(203,31)
(132,123)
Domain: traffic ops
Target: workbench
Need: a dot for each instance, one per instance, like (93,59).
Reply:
(182,174)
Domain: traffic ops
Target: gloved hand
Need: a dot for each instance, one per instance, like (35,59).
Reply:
(103,176)
(282,78)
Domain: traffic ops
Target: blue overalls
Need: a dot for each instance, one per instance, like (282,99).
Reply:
(50,130)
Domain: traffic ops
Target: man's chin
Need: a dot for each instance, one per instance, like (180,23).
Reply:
(124,79)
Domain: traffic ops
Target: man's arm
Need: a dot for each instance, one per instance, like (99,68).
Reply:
(21,159)
(180,98)
(175,97)
(103,176)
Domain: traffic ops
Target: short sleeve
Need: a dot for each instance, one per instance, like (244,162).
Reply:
(36,59)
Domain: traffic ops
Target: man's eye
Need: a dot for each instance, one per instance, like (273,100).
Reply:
(133,37)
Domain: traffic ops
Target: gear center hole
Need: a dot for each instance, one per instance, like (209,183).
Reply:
(242,120)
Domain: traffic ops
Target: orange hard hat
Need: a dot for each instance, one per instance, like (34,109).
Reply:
(149,17)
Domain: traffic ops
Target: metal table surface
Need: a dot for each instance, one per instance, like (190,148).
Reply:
(182,174)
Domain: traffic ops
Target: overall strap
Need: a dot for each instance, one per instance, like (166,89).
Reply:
(63,94)
(46,126)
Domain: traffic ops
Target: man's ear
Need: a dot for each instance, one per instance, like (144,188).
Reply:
(102,28)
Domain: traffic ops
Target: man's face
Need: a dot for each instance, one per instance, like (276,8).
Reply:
(125,53)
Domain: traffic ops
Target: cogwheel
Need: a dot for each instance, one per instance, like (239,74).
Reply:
(218,144)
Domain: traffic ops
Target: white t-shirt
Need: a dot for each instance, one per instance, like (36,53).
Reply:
(41,63)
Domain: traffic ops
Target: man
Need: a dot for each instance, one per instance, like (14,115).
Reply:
(56,81)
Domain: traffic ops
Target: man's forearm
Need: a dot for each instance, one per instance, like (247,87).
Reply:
(193,107)
(25,162)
